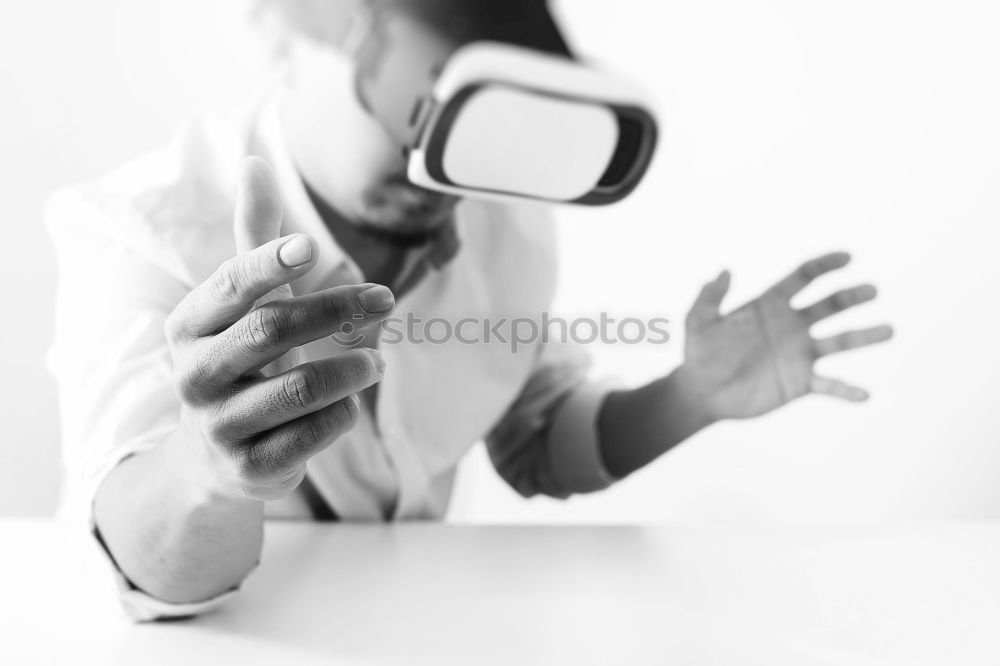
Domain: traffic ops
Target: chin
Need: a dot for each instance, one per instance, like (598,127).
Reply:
(402,206)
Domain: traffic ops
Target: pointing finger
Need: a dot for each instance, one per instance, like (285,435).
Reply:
(258,206)
(237,284)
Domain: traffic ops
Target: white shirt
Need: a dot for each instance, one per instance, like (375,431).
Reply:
(133,243)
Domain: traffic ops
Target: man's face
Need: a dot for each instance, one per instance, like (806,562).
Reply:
(345,154)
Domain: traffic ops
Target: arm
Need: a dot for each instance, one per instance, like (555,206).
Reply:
(637,426)
(546,443)
(174,534)
(736,366)
(182,512)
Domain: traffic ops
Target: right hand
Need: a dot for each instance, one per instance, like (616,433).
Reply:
(251,434)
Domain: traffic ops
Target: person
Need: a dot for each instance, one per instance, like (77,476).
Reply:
(206,383)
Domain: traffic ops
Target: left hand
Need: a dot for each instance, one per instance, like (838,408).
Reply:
(761,356)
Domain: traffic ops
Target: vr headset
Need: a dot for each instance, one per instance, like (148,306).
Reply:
(486,100)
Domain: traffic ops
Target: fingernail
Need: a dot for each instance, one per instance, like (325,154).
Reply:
(376,299)
(296,252)
(379,360)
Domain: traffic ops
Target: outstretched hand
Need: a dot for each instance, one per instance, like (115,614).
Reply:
(761,356)
(248,424)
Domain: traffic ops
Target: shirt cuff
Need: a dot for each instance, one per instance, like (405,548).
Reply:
(574,444)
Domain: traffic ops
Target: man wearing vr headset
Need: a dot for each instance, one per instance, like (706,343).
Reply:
(403,164)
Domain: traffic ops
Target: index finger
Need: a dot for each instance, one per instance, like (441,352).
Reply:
(800,278)
(236,285)
(257,218)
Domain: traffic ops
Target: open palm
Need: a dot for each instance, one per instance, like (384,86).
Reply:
(761,356)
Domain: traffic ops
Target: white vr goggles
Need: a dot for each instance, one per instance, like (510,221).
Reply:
(487,101)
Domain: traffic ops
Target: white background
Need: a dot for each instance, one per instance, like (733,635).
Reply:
(790,128)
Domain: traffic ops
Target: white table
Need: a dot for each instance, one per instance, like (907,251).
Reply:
(438,594)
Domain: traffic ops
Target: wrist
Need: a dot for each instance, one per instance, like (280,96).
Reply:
(693,404)
(193,475)
(637,426)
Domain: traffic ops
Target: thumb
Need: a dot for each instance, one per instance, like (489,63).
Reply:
(709,302)
(258,206)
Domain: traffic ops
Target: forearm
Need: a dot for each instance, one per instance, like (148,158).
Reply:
(637,426)
(171,534)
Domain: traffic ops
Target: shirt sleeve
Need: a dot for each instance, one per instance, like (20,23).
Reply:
(547,442)
(112,368)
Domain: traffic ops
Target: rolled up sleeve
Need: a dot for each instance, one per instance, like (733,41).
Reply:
(113,372)
(548,443)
